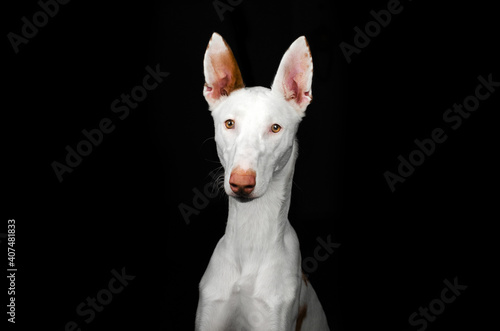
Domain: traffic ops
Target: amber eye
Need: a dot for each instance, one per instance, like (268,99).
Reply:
(229,124)
(275,128)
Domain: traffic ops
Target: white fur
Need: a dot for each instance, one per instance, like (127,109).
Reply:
(254,278)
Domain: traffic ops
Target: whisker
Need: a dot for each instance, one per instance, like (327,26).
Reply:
(213,161)
(297,185)
(217,183)
(204,141)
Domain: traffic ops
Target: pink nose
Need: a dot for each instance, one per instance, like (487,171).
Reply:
(242,182)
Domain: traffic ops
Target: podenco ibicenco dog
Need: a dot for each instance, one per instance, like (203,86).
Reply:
(254,279)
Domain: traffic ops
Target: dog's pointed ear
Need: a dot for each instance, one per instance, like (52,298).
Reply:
(294,77)
(222,74)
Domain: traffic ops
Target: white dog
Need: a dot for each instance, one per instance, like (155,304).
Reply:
(254,279)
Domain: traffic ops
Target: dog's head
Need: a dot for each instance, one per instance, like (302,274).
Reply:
(255,127)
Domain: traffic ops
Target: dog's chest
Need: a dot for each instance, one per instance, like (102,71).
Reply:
(247,299)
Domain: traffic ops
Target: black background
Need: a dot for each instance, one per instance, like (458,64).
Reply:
(120,207)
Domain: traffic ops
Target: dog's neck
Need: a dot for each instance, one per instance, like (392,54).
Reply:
(256,225)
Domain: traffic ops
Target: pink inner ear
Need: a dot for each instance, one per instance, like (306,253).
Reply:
(222,75)
(220,86)
(291,89)
(295,79)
